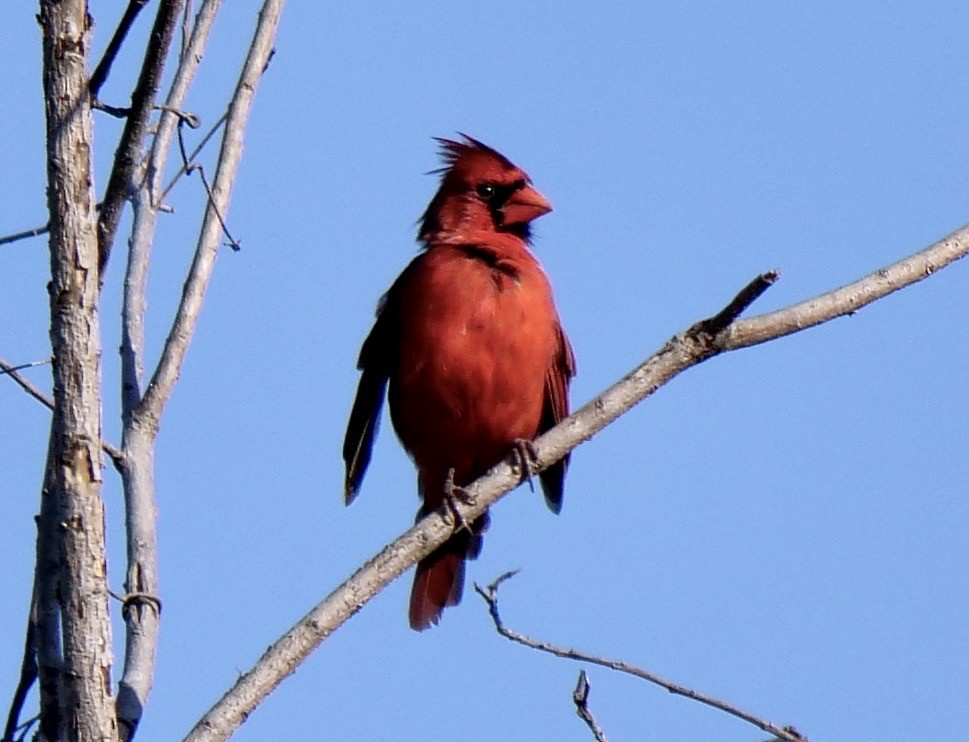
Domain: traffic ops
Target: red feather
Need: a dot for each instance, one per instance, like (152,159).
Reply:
(469,347)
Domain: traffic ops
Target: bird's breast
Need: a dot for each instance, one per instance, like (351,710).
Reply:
(477,338)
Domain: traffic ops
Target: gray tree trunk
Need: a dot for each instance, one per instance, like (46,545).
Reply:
(72,493)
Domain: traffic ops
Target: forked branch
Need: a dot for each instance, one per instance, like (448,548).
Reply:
(173,354)
(705,339)
(580,696)
(490,596)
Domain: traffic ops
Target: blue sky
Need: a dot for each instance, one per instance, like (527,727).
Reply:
(783,527)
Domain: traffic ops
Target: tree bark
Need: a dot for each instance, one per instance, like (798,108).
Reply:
(72,492)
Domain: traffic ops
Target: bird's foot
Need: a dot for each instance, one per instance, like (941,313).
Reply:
(452,495)
(526,456)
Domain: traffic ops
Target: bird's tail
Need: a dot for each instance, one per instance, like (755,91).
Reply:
(439,580)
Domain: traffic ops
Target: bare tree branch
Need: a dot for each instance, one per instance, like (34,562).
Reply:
(490,595)
(160,387)
(13,372)
(188,166)
(188,161)
(146,203)
(73,494)
(580,696)
(120,186)
(103,69)
(142,617)
(7,369)
(35,232)
(691,347)
(849,299)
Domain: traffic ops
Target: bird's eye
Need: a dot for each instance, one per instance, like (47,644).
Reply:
(486,191)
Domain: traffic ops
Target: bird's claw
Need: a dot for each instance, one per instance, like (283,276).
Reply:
(526,455)
(452,495)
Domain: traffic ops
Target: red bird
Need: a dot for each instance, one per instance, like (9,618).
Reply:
(472,348)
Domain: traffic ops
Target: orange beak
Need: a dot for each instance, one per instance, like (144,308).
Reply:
(524,205)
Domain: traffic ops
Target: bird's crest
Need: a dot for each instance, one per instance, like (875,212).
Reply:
(452,151)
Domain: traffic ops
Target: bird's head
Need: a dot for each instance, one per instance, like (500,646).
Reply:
(481,190)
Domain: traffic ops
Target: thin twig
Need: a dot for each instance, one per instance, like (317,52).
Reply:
(682,352)
(35,232)
(120,186)
(580,696)
(188,162)
(490,595)
(176,345)
(25,384)
(116,111)
(739,304)
(113,453)
(5,369)
(187,117)
(103,69)
(189,166)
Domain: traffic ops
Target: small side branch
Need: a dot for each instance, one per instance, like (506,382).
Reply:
(27,234)
(14,373)
(188,161)
(490,596)
(738,305)
(183,327)
(580,696)
(4,369)
(850,298)
(189,166)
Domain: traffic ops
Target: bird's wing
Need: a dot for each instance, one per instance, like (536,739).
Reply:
(375,363)
(556,409)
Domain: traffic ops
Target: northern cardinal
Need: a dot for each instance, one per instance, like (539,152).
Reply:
(470,342)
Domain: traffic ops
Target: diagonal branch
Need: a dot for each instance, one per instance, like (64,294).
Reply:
(173,354)
(849,299)
(146,204)
(126,157)
(687,349)
(189,166)
(103,69)
(490,595)
(13,372)
(26,234)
